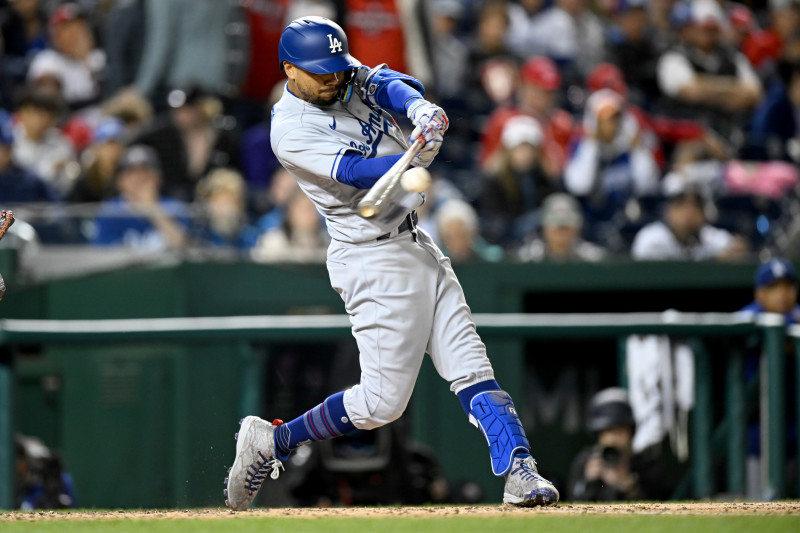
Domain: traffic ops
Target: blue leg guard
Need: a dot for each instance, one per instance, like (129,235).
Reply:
(493,412)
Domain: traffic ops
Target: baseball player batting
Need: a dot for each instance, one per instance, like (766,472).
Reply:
(332,131)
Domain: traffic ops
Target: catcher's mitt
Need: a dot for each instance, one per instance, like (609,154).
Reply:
(6,219)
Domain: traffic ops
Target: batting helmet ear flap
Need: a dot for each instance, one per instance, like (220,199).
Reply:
(317,45)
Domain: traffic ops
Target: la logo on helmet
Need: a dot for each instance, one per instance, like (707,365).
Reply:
(336,44)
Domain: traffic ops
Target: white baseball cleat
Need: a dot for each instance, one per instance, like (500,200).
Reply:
(255,459)
(526,488)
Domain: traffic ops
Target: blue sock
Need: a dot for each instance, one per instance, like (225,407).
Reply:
(326,421)
(466,396)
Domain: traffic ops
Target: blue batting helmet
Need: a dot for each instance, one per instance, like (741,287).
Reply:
(315,44)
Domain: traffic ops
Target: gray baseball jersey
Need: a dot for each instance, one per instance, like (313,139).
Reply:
(401,293)
(309,141)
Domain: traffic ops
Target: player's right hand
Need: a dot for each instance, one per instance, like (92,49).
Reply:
(433,143)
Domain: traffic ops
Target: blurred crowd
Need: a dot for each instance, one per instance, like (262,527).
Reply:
(580,129)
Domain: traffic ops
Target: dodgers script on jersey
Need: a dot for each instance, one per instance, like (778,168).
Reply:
(309,142)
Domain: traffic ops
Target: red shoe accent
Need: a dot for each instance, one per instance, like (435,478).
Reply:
(277,422)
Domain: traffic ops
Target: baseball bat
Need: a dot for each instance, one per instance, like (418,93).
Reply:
(374,201)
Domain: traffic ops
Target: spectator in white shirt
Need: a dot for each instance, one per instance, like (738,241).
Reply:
(684,234)
(702,77)
(39,146)
(73,58)
(571,34)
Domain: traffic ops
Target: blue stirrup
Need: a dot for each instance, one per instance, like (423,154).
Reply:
(494,414)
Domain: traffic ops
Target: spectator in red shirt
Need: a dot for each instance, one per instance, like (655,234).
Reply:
(764,47)
(537,97)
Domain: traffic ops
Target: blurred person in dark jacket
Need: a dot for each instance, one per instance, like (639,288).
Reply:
(773,127)
(23,26)
(631,46)
(190,139)
(609,470)
(513,193)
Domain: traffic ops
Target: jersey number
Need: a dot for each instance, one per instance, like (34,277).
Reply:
(336,44)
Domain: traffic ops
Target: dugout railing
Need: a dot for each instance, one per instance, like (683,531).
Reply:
(696,326)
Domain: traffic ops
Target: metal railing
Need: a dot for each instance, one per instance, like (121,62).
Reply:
(287,328)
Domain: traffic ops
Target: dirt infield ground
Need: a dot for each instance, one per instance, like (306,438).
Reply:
(694,508)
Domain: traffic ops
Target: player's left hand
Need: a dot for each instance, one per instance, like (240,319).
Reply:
(431,118)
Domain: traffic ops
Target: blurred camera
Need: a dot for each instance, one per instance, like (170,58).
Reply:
(611,456)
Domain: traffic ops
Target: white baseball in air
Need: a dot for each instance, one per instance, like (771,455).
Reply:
(415,179)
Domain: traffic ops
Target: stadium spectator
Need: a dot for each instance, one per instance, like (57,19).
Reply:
(192,42)
(440,191)
(536,96)
(131,108)
(675,136)
(258,161)
(282,187)
(763,48)
(571,35)
(39,146)
(561,227)
(703,79)
(18,185)
(388,41)
(631,47)
(513,193)
(265,22)
(99,163)
(190,140)
(222,221)
(448,51)
(73,59)
(139,217)
(684,233)
(613,158)
(609,470)
(773,126)
(23,27)
(124,38)
(662,26)
(491,65)
(301,238)
(522,36)
(460,239)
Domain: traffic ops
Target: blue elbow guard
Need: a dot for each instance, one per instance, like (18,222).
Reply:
(493,412)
